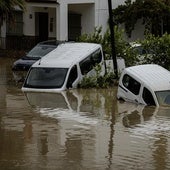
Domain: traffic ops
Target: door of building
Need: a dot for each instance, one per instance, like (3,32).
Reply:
(74,26)
(41,24)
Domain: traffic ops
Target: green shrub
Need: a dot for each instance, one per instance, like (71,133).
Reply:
(98,81)
(123,49)
(160,48)
(105,81)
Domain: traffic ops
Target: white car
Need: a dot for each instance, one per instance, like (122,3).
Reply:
(147,84)
(143,55)
(65,67)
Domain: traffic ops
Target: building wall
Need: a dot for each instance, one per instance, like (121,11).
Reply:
(94,13)
(102,14)
(29,23)
(86,10)
(83,7)
(102,17)
(29,20)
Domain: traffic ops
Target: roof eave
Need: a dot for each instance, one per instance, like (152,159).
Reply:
(43,1)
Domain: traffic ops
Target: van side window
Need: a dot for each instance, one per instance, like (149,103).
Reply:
(96,57)
(88,63)
(147,97)
(72,76)
(131,84)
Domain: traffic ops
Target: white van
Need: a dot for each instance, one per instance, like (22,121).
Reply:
(64,67)
(147,84)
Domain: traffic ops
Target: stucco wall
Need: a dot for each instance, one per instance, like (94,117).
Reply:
(94,14)
(29,20)
(29,24)
(86,10)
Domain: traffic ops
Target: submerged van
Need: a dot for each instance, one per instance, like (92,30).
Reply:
(64,67)
(147,84)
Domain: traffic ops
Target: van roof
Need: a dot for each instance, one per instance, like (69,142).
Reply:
(152,75)
(67,54)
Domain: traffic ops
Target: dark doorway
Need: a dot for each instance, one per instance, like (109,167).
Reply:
(74,26)
(41,24)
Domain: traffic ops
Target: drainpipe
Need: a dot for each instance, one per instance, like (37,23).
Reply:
(111,25)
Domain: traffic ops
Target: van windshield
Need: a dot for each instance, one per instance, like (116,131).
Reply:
(163,97)
(46,77)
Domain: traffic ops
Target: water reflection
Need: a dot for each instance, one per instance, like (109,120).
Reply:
(84,116)
(133,114)
(84,106)
(148,123)
(84,111)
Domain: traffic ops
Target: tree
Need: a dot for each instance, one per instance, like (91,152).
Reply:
(155,15)
(159,46)
(123,49)
(105,40)
(7,8)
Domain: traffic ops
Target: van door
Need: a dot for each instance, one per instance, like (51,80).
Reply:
(129,89)
(73,75)
(147,97)
(87,65)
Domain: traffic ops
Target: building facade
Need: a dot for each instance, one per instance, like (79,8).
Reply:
(51,19)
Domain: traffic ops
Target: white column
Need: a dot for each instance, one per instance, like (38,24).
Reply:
(101,14)
(62,21)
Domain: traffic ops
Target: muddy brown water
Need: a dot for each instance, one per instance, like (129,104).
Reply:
(78,130)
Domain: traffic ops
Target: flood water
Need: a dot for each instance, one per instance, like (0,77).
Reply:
(78,130)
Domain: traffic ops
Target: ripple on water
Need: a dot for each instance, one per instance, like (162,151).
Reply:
(69,115)
(151,128)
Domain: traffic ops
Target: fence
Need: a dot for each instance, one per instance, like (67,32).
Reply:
(18,42)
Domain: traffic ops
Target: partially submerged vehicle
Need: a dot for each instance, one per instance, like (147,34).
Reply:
(22,65)
(64,67)
(142,54)
(36,53)
(147,84)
